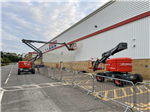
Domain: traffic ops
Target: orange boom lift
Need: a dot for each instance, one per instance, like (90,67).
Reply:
(29,66)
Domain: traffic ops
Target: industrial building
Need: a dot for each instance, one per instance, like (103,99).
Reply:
(102,30)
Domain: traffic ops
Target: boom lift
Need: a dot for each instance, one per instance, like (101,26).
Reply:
(28,66)
(118,67)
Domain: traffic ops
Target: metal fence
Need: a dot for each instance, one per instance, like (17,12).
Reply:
(68,76)
(41,70)
(51,72)
(133,96)
(117,90)
(84,81)
(142,96)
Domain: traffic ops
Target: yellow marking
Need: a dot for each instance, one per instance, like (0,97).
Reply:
(131,89)
(99,96)
(80,82)
(147,106)
(106,93)
(125,94)
(88,73)
(105,99)
(68,77)
(106,80)
(115,94)
(129,95)
(146,88)
(140,89)
(88,81)
(53,78)
(67,83)
(143,105)
(80,75)
(116,89)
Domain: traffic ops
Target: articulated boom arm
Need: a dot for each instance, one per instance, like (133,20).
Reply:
(28,43)
(105,55)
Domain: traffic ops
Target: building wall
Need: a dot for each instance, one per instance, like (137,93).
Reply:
(134,33)
(38,61)
(28,56)
(103,18)
(120,21)
(139,66)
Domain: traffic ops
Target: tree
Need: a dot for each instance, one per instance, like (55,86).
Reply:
(2,54)
(7,57)
(6,60)
(1,60)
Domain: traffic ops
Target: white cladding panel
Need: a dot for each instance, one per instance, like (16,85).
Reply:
(96,45)
(135,33)
(112,14)
(61,54)
(45,48)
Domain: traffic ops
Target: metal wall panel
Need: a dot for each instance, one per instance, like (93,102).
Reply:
(61,54)
(114,13)
(135,33)
(96,45)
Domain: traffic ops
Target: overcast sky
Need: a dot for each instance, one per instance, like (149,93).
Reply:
(37,20)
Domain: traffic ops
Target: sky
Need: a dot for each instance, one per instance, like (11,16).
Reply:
(39,20)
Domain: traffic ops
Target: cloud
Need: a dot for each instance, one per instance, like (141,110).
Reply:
(40,20)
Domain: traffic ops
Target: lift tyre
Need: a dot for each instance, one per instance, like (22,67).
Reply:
(139,78)
(19,71)
(33,71)
(118,82)
(100,79)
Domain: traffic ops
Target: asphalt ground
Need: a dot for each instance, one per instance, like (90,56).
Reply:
(108,89)
(39,93)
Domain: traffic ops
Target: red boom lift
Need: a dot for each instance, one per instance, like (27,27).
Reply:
(118,67)
(29,66)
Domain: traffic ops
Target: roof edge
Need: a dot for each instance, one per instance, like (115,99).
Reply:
(85,18)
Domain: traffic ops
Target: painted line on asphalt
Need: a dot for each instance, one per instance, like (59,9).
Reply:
(32,86)
(6,81)
(2,92)
(9,75)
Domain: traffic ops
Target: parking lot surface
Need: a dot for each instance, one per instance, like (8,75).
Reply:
(38,93)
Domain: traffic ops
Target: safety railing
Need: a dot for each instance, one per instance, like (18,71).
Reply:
(142,97)
(57,74)
(51,72)
(41,71)
(117,90)
(84,81)
(133,96)
(67,76)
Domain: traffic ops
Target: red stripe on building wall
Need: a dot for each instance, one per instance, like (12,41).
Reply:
(108,28)
(32,53)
